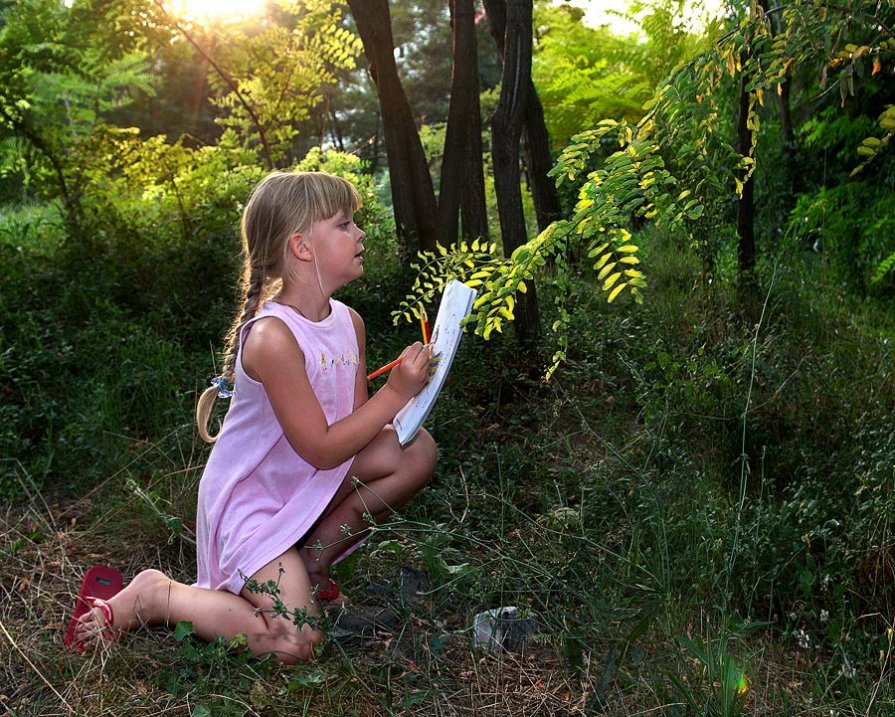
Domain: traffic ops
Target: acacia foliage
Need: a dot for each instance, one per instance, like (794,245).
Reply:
(61,73)
(69,72)
(276,77)
(585,72)
(678,165)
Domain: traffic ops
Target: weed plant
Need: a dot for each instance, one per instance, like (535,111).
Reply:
(696,510)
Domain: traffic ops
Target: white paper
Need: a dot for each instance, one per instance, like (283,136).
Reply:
(456,303)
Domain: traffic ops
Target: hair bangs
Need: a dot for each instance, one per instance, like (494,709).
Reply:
(328,195)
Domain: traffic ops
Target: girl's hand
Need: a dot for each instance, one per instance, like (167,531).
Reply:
(408,378)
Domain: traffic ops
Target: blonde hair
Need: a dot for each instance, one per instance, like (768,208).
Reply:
(281,204)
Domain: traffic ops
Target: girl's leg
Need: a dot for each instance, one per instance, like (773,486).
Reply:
(387,477)
(154,599)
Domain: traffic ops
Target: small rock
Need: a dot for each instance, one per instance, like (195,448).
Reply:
(406,589)
(504,628)
(359,622)
(414,583)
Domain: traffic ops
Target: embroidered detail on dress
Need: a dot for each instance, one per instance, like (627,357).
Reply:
(342,360)
(351,359)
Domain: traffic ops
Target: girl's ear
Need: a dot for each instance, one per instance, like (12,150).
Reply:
(300,248)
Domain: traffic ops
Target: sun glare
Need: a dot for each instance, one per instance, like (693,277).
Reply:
(215,9)
(612,13)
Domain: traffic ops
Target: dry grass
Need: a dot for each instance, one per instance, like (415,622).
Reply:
(427,666)
(46,548)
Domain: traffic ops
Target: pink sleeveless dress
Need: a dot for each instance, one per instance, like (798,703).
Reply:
(257,496)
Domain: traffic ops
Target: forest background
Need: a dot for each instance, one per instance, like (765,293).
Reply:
(668,436)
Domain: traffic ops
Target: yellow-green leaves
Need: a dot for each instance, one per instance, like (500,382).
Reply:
(613,260)
(610,281)
(473,263)
(887,118)
(606,269)
(870,147)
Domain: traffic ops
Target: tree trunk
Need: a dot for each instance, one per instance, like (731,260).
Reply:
(462,178)
(746,204)
(539,162)
(412,193)
(794,179)
(473,203)
(506,131)
(537,156)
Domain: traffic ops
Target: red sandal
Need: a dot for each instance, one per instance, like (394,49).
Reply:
(100,583)
(330,593)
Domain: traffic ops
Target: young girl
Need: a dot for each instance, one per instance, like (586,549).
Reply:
(304,460)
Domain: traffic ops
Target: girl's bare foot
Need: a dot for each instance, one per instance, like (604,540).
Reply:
(325,589)
(142,602)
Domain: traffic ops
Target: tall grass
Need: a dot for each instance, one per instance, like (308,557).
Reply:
(696,510)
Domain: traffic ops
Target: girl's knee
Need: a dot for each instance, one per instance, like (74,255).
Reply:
(425,454)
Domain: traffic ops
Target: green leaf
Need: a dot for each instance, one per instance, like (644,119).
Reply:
(183,630)
(606,269)
(616,291)
(597,250)
(611,280)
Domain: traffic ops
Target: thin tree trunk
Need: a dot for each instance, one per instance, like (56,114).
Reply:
(746,204)
(793,178)
(506,131)
(462,178)
(457,132)
(539,161)
(413,195)
(537,157)
(473,203)
(790,159)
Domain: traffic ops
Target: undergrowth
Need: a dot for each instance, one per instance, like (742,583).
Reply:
(696,509)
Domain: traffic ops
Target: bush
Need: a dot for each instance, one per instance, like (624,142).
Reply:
(852,227)
(125,303)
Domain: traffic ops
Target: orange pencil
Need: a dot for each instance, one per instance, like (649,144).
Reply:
(387,367)
(424,324)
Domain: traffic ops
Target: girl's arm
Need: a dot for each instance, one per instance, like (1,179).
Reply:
(272,356)
(361,394)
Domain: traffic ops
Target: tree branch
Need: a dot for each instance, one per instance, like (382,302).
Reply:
(229,81)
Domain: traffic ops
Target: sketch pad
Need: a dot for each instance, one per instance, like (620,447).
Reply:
(456,303)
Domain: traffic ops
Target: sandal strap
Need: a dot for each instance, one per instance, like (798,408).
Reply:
(106,610)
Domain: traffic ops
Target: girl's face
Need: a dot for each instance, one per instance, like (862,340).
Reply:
(338,249)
